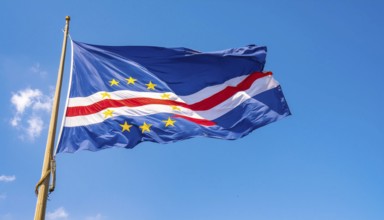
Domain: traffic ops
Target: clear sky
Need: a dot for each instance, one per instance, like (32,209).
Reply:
(326,161)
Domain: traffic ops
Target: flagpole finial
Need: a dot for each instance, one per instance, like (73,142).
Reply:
(67,18)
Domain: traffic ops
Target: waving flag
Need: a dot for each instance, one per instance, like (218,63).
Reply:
(122,95)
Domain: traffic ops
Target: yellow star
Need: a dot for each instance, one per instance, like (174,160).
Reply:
(126,127)
(108,113)
(165,96)
(175,108)
(105,94)
(113,82)
(131,80)
(150,85)
(145,127)
(169,122)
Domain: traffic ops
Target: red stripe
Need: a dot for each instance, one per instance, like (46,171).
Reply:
(204,122)
(110,103)
(226,93)
(202,105)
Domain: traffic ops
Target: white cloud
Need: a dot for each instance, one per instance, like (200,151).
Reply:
(4,178)
(59,213)
(96,217)
(30,105)
(36,68)
(43,104)
(35,126)
(15,120)
(24,99)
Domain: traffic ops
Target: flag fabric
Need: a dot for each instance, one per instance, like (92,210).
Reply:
(120,96)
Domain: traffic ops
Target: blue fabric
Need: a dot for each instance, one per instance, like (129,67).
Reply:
(179,70)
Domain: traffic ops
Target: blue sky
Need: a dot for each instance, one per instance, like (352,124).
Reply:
(326,161)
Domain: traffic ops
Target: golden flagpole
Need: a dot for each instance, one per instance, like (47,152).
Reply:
(48,164)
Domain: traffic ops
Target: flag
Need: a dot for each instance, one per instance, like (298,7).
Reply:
(120,96)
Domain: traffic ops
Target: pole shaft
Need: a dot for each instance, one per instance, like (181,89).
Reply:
(42,196)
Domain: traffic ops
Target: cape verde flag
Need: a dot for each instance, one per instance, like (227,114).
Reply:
(120,96)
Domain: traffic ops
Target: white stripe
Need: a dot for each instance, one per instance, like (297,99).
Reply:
(118,95)
(128,111)
(211,90)
(127,94)
(259,86)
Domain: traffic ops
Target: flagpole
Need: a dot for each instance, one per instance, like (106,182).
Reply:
(43,185)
